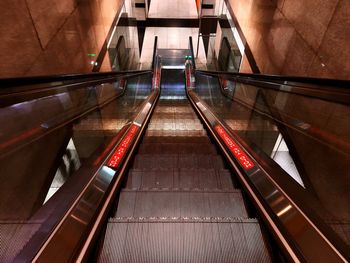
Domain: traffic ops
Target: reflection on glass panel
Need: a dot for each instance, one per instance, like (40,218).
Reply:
(123,45)
(307,137)
(222,45)
(280,154)
(69,164)
(51,146)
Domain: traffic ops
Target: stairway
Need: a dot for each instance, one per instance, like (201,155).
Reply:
(179,203)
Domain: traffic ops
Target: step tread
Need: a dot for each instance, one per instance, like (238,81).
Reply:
(176,139)
(173,133)
(182,190)
(14,236)
(181,219)
(179,178)
(180,204)
(184,242)
(178,161)
(176,148)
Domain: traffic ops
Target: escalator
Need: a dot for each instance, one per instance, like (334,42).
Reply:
(179,203)
(52,142)
(174,165)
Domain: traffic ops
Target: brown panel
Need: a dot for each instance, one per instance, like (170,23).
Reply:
(41,37)
(208,25)
(26,175)
(19,44)
(304,38)
(49,16)
(310,18)
(334,54)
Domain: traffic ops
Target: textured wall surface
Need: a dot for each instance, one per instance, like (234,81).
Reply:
(40,37)
(293,37)
(297,37)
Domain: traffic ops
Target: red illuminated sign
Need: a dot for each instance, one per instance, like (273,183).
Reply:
(156,78)
(188,74)
(243,159)
(123,146)
(110,145)
(188,78)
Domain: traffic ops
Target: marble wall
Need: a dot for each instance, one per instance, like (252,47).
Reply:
(297,37)
(40,37)
(290,37)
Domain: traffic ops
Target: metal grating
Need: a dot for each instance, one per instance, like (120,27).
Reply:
(239,241)
(13,237)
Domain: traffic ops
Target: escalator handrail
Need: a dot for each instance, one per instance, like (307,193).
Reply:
(339,83)
(20,93)
(47,79)
(257,177)
(192,52)
(38,132)
(325,89)
(85,239)
(155,47)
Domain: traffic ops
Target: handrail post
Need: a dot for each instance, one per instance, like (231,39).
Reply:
(192,53)
(154,52)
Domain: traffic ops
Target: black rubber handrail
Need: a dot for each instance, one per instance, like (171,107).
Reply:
(68,85)
(192,53)
(310,87)
(17,94)
(263,183)
(55,80)
(287,80)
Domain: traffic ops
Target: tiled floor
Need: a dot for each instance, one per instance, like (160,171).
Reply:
(170,37)
(173,9)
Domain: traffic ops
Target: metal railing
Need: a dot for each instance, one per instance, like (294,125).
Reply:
(278,206)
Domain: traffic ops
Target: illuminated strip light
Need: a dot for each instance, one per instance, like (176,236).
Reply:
(243,159)
(189,78)
(110,39)
(156,79)
(283,211)
(122,148)
(174,67)
(201,106)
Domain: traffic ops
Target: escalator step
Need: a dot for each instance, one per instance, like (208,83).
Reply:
(179,178)
(225,179)
(175,125)
(176,139)
(173,133)
(148,161)
(181,204)
(239,241)
(14,236)
(176,148)
(187,219)
(179,128)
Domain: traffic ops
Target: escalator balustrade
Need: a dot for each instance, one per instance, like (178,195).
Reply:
(179,203)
